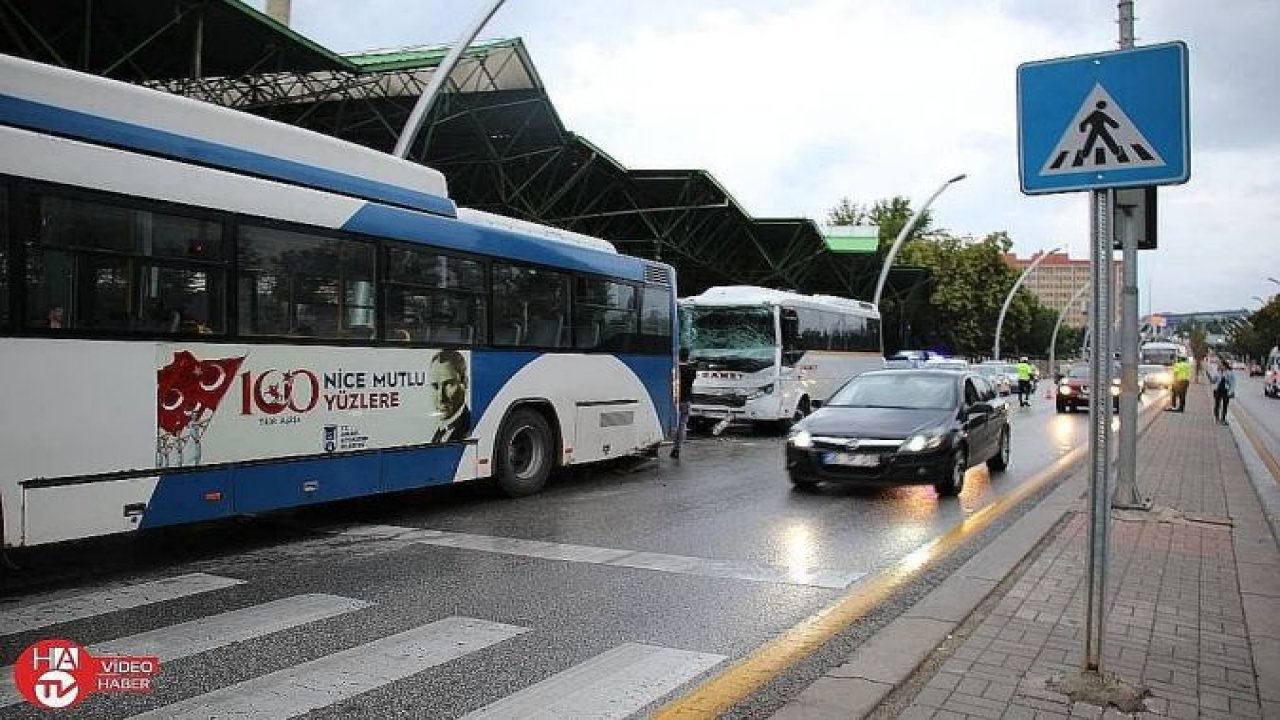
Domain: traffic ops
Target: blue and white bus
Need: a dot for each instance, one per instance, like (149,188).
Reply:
(204,313)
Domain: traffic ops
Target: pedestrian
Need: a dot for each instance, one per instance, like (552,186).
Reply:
(684,395)
(1224,388)
(1024,382)
(1181,379)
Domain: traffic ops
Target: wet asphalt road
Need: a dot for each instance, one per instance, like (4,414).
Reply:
(713,555)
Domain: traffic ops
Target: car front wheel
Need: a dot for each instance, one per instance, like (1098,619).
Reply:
(1000,460)
(953,481)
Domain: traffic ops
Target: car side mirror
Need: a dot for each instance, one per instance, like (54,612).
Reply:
(980,407)
(815,404)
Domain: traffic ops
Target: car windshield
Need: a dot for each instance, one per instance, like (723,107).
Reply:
(914,391)
(992,370)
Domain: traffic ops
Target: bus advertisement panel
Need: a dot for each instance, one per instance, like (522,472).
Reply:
(228,403)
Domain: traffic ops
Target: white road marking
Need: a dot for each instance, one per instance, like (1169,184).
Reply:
(79,607)
(661,562)
(613,685)
(343,675)
(204,634)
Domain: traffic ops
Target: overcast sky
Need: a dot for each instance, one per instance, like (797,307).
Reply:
(794,104)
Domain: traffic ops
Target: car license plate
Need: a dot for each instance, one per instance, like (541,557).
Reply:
(852,459)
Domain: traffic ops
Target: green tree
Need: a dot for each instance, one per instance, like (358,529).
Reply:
(970,283)
(1254,338)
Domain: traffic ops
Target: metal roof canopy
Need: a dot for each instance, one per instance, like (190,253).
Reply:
(494,134)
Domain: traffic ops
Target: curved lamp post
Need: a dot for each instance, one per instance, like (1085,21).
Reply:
(438,78)
(995,350)
(902,235)
(1053,339)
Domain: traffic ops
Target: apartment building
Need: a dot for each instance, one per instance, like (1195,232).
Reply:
(1057,278)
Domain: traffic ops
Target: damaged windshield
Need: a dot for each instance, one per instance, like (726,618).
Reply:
(738,338)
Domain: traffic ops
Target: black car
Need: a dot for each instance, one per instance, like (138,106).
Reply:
(910,426)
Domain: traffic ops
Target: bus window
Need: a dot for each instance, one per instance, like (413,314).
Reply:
(655,320)
(435,298)
(304,285)
(95,266)
(792,338)
(606,315)
(530,306)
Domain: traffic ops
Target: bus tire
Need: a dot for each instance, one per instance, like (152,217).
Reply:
(523,453)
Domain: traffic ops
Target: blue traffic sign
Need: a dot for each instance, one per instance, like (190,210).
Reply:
(1114,119)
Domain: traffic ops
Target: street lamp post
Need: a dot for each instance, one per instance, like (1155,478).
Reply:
(428,97)
(1273,280)
(902,235)
(995,350)
(1053,339)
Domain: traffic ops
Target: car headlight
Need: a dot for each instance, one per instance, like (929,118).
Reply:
(1064,389)
(801,439)
(760,392)
(921,442)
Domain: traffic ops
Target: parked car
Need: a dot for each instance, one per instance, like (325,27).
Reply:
(1271,381)
(902,427)
(1002,375)
(1074,391)
(1255,369)
(1156,377)
(941,363)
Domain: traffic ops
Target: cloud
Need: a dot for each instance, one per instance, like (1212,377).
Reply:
(794,104)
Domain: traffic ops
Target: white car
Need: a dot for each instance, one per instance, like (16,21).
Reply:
(1156,377)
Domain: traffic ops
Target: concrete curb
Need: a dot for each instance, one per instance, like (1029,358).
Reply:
(1256,542)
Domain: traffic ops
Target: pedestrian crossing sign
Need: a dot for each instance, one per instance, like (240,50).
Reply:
(1116,119)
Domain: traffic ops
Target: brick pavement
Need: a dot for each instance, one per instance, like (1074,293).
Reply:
(1179,582)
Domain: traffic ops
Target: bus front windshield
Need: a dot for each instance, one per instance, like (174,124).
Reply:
(737,338)
(1158,356)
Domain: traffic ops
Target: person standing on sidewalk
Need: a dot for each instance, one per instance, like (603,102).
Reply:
(688,373)
(1024,382)
(1181,379)
(1224,388)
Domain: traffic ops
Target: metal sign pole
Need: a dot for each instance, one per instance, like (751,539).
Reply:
(1126,491)
(1100,359)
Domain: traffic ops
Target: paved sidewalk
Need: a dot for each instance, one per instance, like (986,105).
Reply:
(1193,615)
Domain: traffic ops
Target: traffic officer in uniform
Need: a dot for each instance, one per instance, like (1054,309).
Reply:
(1024,382)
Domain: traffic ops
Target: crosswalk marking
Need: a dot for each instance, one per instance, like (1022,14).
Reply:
(79,607)
(612,685)
(204,634)
(321,682)
(681,564)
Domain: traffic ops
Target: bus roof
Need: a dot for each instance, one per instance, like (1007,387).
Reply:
(745,295)
(108,112)
(479,217)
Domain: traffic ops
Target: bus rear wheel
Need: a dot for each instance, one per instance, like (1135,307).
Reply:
(523,456)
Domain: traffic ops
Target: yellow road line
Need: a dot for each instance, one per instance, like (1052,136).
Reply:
(1259,446)
(739,682)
